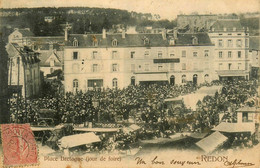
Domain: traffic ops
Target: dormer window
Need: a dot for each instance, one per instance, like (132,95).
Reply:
(146,41)
(114,42)
(172,42)
(94,41)
(75,42)
(194,40)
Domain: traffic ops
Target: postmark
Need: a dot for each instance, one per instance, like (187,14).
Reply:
(19,145)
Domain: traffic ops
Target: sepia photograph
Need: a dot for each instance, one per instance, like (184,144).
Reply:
(129,83)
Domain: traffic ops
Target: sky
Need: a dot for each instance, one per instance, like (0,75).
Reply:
(167,9)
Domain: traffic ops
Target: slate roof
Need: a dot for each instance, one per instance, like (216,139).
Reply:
(254,43)
(228,24)
(137,40)
(26,32)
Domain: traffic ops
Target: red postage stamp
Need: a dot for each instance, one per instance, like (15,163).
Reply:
(19,145)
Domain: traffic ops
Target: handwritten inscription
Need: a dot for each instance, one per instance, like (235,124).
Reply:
(157,161)
(238,163)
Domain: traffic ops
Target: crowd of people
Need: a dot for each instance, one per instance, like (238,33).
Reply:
(140,104)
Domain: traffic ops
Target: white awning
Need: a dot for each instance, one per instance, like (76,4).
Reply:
(78,139)
(212,142)
(152,77)
(235,127)
(96,129)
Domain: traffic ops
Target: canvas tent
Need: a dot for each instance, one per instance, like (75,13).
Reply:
(212,142)
(235,127)
(78,139)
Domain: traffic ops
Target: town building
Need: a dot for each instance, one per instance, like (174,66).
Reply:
(49,48)
(24,71)
(118,60)
(19,36)
(196,22)
(254,49)
(231,49)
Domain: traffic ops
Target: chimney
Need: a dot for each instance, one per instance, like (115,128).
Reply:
(123,33)
(225,29)
(234,29)
(175,33)
(66,34)
(213,29)
(164,34)
(247,29)
(103,33)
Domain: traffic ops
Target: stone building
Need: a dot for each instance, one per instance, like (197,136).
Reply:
(24,71)
(119,60)
(231,49)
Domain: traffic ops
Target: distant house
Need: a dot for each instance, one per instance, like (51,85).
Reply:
(24,71)
(49,19)
(50,61)
(19,36)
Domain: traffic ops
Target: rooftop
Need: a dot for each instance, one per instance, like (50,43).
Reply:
(137,40)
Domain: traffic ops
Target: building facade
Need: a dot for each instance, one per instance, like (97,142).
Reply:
(24,71)
(119,60)
(231,49)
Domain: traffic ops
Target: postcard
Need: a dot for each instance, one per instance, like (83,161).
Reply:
(111,83)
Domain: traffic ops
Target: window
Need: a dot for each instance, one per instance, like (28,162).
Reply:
(220,43)
(114,67)
(159,54)
(172,42)
(229,54)
(229,66)
(132,54)
(247,117)
(220,66)
(239,66)
(195,54)
(146,67)
(75,55)
(206,78)
(239,43)
(160,67)
(94,55)
(75,83)
(183,78)
(146,54)
(220,34)
(206,53)
(220,54)
(230,34)
(171,66)
(114,54)
(95,67)
(146,41)
(114,82)
(230,43)
(195,40)
(114,42)
(172,54)
(239,54)
(183,66)
(183,53)
(75,42)
(132,67)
